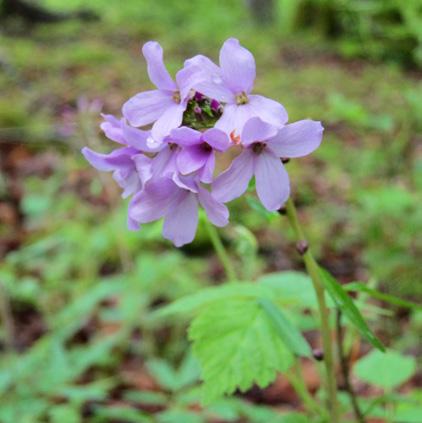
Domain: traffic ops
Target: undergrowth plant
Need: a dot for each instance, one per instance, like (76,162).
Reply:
(242,332)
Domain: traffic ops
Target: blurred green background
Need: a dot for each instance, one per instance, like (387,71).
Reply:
(78,339)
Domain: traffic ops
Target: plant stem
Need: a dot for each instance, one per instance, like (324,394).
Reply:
(345,371)
(221,251)
(313,271)
(7,319)
(296,380)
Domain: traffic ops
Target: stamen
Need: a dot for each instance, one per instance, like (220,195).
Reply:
(242,98)
(176,97)
(234,138)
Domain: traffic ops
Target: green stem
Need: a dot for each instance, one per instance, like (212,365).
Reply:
(221,251)
(313,271)
(295,377)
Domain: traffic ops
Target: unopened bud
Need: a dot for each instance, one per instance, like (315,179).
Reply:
(282,211)
(198,96)
(318,354)
(302,246)
(215,105)
(197,110)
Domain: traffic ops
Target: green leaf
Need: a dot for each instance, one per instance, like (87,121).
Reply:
(288,333)
(392,299)
(387,371)
(291,288)
(193,303)
(236,345)
(348,307)
(178,416)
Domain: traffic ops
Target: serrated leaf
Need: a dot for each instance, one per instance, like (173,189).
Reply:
(348,307)
(288,333)
(386,370)
(237,346)
(194,302)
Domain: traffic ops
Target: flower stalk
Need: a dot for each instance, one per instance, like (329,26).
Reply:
(313,271)
(221,251)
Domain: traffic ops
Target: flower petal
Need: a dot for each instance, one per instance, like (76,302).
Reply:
(256,129)
(211,70)
(181,220)
(234,118)
(146,107)
(297,139)
(157,71)
(190,159)
(139,139)
(185,136)
(217,139)
(187,78)
(132,224)
(143,167)
(207,173)
(237,66)
(112,128)
(186,182)
(217,212)
(268,110)
(164,163)
(120,158)
(272,181)
(170,119)
(233,182)
(153,201)
(216,91)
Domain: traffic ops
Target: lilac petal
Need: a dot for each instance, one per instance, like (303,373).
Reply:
(297,139)
(153,202)
(170,119)
(164,163)
(217,212)
(217,139)
(233,182)
(143,167)
(211,70)
(185,136)
(191,159)
(268,110)
(132,224)
(272,181)
(187,78)
(157,71)
(120,158)
(138,139)
(128,180)
(112,128)
(181,221)
(207,173)
(186,182)
(215,91)
(255,130)
(234,118)
(237,66)
(146,107)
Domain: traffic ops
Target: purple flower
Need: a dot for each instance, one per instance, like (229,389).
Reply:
(164,106)
(131,169)
(176,200)
(232,84)
(263,145)
(197,153)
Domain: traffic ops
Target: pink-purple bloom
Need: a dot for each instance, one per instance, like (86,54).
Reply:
(168,168)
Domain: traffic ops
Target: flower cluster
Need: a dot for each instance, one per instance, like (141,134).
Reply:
(169,138)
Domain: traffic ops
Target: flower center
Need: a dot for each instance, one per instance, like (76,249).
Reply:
(242,98)
(176,97)
(258,147)
(234,138)
(172,146)
(206,147)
